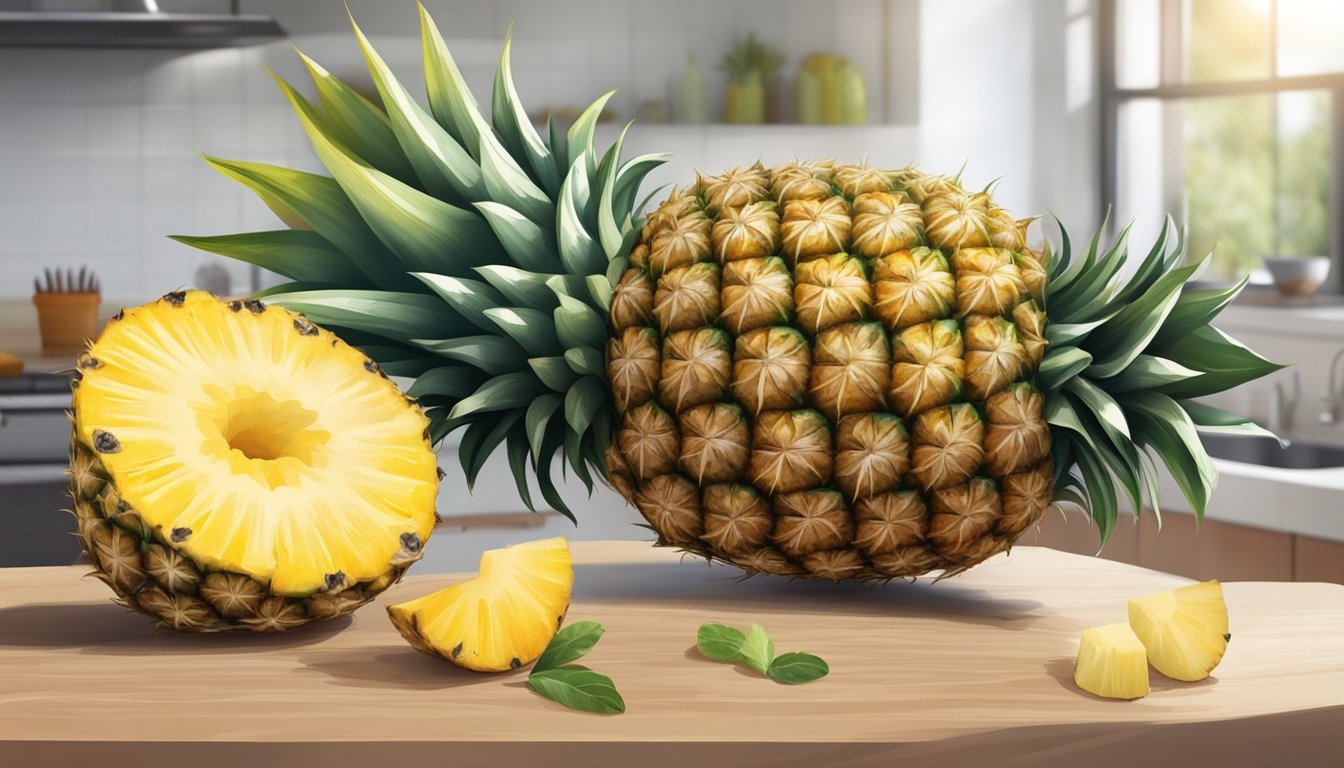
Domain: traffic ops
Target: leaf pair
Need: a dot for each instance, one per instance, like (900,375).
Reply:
(755,649)
(573,685)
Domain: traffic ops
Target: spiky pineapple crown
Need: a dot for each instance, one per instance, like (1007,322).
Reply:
(479,257)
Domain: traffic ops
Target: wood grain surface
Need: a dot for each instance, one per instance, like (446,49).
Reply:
(973,669)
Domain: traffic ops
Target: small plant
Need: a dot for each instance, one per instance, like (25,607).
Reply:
(68,281)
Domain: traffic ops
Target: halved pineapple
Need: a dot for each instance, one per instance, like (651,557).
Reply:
(1184,630)
(501,619)
(1111,663)
(234,466)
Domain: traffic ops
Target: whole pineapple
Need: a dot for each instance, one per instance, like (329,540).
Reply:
(815,370)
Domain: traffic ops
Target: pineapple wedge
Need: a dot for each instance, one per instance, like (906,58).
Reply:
(1112,663)
(1184,630)
(499,620)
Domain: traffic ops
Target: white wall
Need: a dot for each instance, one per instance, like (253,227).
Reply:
(1000,93)
(98,148)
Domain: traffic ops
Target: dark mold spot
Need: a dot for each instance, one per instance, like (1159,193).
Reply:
(514,663)
(457,649)
(105,442)
(180,535)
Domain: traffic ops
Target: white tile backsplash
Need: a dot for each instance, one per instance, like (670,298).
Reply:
(100,150)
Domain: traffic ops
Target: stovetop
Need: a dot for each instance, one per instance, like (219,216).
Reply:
(35,383)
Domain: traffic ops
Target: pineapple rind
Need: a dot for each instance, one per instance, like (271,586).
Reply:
(501,619)
(1111,663)
(1184,630)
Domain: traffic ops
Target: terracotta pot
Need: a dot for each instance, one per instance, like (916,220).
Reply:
(67,321)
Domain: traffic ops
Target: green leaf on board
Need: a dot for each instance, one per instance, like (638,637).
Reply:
(797,668)
(578,688)
(758,650)
(720,642)
(569,644)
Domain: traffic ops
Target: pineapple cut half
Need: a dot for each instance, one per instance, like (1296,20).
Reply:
(1112,663)
(503,618)
(1184,630)
(234,466)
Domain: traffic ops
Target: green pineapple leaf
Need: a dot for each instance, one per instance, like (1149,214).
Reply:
(528,245)
(1159,423)
(515,128)
(309,201)
(450,100)
(444,167)
(357,124)
(299,254)
(504,392)
(1147,372)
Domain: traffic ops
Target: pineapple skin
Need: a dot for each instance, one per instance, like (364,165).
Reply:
(1111,663)
(1185,630)
(151,571)
(828,371)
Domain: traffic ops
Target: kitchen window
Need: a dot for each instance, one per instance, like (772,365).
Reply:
(1228,114)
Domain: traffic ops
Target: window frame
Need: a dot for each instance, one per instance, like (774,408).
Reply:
(1172,87)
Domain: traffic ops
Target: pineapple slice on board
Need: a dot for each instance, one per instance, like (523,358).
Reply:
(1185,630)
(233,466)
(501,619)
(1111,663)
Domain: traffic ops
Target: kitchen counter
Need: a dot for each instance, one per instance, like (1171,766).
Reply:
(972,670)
(19,335)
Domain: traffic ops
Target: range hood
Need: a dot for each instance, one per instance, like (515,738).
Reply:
(128,24)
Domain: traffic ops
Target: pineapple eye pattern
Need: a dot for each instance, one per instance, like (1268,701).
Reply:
(881,334)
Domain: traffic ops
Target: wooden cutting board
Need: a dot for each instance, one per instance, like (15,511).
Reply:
(975,670)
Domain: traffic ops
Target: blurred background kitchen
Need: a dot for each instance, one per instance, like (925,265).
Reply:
(1226,113)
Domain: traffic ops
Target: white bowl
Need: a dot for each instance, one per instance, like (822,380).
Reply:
(1298,276)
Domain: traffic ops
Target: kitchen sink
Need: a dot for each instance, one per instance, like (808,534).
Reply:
(1267,453)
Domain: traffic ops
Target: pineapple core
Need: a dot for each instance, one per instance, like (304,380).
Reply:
(1111,663)
(1184,630)
(501,619)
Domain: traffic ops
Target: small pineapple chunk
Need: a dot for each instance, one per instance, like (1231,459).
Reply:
(1111,663)
(1184,630)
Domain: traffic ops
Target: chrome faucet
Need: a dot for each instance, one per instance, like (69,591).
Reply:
(1334,398)
(1282,406)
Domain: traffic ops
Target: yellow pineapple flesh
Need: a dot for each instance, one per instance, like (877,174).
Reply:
(236,467)
(1111,663)
(501,619)
(1185,630)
